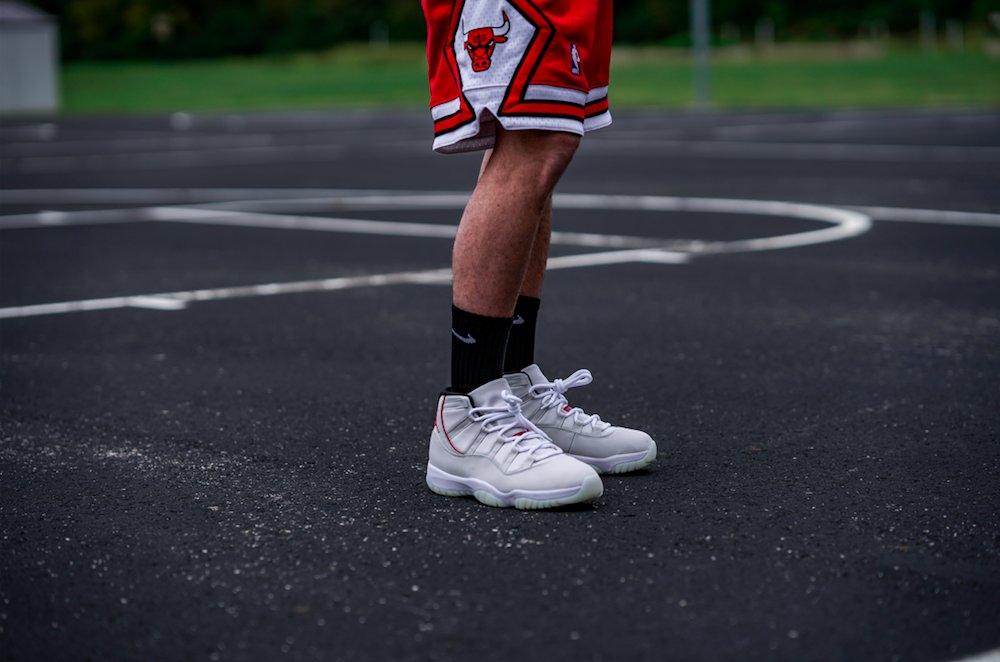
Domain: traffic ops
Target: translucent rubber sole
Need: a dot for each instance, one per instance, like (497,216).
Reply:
(445,484)
(620,464)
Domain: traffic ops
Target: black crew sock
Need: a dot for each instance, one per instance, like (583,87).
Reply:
(521,343)
(477,348)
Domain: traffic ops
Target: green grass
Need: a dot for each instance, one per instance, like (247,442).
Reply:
(788,77)
(345,77)
(814,78)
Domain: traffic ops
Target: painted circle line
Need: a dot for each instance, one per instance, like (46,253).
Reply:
(844,223)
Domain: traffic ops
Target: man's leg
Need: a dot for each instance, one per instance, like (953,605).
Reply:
(531,286)
(503,218)
(481,444)
(497,250)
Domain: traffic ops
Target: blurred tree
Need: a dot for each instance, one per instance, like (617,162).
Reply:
(202,28)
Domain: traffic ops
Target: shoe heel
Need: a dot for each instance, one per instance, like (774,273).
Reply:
(441,483)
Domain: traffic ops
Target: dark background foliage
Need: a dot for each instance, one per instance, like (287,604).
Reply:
(100,29)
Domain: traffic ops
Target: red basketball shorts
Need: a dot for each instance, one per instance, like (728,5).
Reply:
(525,64)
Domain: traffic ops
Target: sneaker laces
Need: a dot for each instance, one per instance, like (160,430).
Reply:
(553,394)
(514,427)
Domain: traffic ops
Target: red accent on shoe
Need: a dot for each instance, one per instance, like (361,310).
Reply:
(443,428)
(567,408)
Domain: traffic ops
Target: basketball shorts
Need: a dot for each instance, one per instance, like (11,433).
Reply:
(522,64)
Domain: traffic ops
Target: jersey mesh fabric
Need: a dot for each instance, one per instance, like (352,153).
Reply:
(525,64)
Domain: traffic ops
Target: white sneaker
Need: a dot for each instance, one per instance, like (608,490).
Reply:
(482,445)
(586,437)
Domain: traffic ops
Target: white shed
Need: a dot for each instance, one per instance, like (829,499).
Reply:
(29,59)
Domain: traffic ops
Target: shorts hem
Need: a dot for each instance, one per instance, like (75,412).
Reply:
(481,133)
(597,121)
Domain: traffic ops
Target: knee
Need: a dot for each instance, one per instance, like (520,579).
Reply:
(553,153)
(558,145)
(561,149)
(540,157)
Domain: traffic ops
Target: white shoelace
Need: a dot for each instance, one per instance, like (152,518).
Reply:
(553,394)
(514,427)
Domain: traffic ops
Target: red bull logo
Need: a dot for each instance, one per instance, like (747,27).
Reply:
(480,43)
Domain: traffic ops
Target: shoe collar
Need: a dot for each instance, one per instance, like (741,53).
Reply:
(535,375)
(489,394)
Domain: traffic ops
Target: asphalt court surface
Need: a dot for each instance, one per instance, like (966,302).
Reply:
(221,338)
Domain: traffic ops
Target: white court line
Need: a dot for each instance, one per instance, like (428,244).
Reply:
(155,302)
(844,223)
(261,199)
(295,222)
(933,216)
(986,656)
(180,299)
(385,228)
(85,217)
(617,257)
(375,200)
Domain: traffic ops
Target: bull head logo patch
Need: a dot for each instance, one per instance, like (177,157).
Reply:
(480,43)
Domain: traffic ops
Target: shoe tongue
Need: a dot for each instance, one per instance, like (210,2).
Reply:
(534,373)
(488,395)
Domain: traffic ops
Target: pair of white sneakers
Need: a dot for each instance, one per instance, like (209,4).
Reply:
(516,441)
